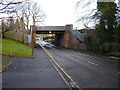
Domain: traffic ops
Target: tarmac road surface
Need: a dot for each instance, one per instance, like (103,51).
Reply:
(86,70)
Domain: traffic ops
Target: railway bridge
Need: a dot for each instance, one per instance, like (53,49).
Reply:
(63,36)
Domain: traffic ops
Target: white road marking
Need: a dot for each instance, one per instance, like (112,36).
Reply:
(76,60)
(88,62)
(92,63)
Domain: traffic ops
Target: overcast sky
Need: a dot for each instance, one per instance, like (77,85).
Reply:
(59,12)
(62,12)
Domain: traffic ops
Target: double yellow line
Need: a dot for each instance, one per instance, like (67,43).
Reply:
(61,70)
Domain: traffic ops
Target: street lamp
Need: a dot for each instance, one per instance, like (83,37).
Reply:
(50,32)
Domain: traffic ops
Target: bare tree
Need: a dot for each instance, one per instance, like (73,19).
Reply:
(31,12)
(38,16)
(87,15)
(23,12)
(27,15)
(84,3)
(7,6)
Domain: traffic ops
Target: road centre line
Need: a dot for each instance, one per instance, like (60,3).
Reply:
(88,62)
(85,60)
(92,63)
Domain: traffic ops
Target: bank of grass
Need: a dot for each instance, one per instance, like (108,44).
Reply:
(15,48)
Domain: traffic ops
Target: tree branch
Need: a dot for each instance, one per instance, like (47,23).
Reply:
(6,5)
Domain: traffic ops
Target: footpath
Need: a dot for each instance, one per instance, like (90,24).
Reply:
(35,72)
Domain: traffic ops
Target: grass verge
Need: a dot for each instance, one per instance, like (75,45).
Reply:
(6,60)
(15,48)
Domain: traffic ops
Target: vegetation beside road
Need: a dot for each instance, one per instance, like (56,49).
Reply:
(105,37)
(15,48)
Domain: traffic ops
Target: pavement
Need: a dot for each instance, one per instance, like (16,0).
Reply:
(35,72)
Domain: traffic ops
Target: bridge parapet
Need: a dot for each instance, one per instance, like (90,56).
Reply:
(50,29)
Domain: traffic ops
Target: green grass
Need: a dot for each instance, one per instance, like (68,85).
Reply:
(15,48)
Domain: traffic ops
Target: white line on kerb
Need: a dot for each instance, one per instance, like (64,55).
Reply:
(92,63)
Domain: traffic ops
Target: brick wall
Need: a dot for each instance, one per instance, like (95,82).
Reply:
(68,40)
